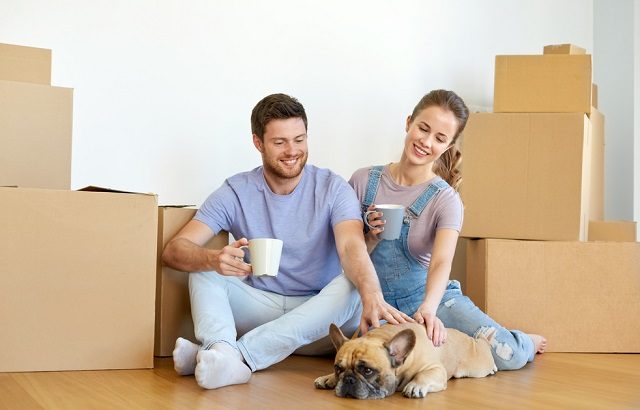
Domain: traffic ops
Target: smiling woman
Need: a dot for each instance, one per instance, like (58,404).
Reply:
(414,269)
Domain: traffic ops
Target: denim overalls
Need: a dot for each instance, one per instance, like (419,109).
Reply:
(403,280)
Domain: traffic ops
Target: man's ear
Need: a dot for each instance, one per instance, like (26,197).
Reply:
(336,335)
(257,142)
(400,346)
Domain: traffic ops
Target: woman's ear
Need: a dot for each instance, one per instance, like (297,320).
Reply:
(406,129)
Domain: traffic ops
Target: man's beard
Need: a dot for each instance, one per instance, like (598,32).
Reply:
(276,168)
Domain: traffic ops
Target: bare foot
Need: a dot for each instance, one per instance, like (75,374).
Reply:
(539,342)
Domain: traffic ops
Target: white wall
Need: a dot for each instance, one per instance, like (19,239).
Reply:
(613,71)
(636,127)
(164,89)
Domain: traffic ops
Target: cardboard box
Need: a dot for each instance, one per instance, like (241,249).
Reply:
(594,95)
(563,49)
(527,176)
(582,296)
(173,308)
(613,231)
(36,123)
(77,280)
(25,64)
(543,83)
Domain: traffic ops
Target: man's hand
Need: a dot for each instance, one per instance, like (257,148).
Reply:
(436,331)
(374,309)
(230,260)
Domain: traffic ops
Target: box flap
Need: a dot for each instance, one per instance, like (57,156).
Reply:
(93,188)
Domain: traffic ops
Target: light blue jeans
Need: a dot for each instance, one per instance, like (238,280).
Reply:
(270,326)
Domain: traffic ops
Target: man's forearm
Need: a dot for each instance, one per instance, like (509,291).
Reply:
(184,255)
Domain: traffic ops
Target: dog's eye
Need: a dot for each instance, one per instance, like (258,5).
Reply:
(367,371)
(338,368)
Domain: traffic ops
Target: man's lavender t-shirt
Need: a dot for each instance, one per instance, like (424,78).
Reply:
(444,211)
(246,207)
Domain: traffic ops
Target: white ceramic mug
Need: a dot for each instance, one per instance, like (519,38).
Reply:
(393,215)
(264,256)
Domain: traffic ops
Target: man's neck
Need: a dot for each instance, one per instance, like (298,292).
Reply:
(282,186)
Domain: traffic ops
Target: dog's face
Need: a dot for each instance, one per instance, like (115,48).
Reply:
(365,368)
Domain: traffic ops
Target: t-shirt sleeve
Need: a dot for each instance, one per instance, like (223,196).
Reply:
(218,209)
(346,206)
(450,211)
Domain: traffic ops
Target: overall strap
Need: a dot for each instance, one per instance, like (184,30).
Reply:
(372,186)
(425,197)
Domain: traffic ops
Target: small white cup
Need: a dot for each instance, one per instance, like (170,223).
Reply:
(393,215)
(264,256)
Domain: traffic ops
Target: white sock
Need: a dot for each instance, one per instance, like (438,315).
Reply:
(220,366)
(184,357)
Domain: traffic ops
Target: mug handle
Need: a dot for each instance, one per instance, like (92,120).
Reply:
(247,248)
(366,219)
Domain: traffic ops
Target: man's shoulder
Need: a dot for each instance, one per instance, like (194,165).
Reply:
(323,175)
(244,179)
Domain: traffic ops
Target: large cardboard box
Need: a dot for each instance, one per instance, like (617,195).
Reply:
(35,135)
(582,296)
(527,176)
(25,64)
(77,280)
(173,309)
(543,83)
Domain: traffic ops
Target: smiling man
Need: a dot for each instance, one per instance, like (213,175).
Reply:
(246,323)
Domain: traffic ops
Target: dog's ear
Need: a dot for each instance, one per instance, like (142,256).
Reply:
(337,337)
(400,346)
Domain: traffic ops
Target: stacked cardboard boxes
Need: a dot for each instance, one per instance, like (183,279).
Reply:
(533,193)
(35,121)
(77,268)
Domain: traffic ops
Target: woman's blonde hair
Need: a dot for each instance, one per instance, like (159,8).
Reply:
(447,166)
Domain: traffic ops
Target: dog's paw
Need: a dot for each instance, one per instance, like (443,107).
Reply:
(415,391)
(326,382)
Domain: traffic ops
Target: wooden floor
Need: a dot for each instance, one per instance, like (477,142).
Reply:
(553,381)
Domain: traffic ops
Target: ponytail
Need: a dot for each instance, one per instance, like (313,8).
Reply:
(447,167)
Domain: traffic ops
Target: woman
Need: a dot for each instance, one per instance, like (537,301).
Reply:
(425,181)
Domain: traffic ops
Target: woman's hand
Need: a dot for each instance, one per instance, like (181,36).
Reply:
(436,331)
(376,226)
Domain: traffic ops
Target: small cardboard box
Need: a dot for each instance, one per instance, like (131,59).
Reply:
(25,64)
(77,280)
(36,123)
(173,308)
(543,83)
(582,296)
(563,49)
(613,231)
(527,176)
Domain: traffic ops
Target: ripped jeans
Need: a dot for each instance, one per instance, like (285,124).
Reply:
(511,349)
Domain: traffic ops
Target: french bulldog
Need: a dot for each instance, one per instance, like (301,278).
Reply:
(402,358)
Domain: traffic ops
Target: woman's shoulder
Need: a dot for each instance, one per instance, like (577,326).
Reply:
(360,175)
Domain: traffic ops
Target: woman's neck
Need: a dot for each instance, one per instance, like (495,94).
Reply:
(408,175)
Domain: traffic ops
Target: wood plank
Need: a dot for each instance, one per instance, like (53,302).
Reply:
(554,380)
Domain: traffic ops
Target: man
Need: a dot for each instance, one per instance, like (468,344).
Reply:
(317,215)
